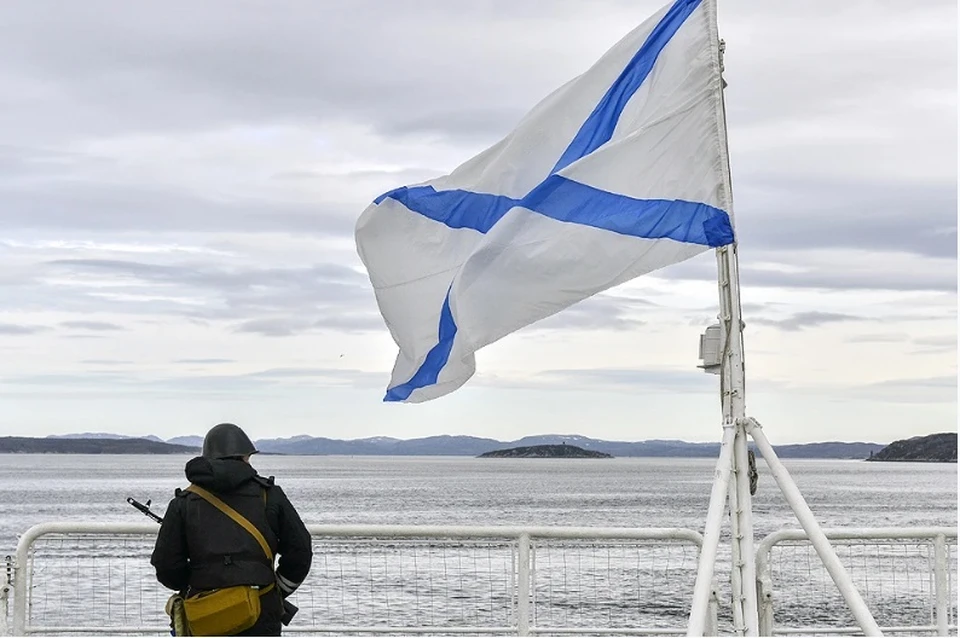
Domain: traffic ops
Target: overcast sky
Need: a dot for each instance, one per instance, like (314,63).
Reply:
(179,183)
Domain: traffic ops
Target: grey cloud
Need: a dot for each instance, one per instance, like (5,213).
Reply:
(873,274)
(935,344)
(284,373)
(403,176)
(747,306)
(402,69)
(263,299)
(923,390)
(350,322)
(107,362)
(227,385)
(312,292)
(877,338)
(156,51)
(14,329)
(483,124)
(204,274)
(601,312)
(777,213)
(274,327)
(99,326)
(338,376)
(801,320)
(106,378)
(288,327)
(937,340)
(873,216)
(56,203)
(412,54)
(639,379)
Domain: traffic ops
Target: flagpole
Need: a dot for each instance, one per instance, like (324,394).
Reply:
(733,401)
(733,392)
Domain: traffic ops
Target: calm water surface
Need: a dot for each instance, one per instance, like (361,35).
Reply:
(623,492)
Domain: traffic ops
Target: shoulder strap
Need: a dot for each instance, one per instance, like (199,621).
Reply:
(235,515)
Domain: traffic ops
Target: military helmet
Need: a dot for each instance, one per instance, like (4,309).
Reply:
(225,441)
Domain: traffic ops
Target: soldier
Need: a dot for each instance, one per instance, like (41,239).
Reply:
(200,549)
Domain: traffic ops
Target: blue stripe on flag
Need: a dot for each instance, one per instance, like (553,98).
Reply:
(569,201)
(436,358)
(455,208)
(599,126)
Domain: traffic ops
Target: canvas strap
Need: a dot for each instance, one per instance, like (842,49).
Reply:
(239,519)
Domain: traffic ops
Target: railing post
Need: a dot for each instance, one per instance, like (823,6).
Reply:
(523,585)
(712,609)
(940,583)
(5,588)
(765,590)
(20,590)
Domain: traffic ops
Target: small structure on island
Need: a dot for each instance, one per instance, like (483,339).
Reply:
(562,451)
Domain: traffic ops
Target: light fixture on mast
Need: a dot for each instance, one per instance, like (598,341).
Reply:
(711,349)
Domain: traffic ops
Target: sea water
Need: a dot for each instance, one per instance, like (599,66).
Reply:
(621,492)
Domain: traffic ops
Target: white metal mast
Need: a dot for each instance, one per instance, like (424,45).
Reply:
(732,479)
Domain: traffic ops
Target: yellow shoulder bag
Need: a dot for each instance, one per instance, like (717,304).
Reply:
(227,611)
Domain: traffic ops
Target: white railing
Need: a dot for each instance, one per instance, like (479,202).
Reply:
(86,578)
(83,578)
(908,577)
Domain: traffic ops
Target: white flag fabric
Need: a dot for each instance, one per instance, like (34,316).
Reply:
(617,173)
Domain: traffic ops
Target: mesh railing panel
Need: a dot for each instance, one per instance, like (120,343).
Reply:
(895,578)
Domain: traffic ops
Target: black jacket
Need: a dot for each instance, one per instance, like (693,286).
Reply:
(201,548)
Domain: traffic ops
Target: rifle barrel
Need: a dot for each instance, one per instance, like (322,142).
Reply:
(144,509)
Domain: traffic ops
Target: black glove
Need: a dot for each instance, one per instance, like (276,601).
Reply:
(289,611)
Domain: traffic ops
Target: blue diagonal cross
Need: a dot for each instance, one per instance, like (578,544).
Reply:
(569,201)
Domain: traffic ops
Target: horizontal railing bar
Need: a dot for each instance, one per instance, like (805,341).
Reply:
(377,629)
(413,531)
(53,629)
(396,531)
(608,631)
(864,533)
(853,630)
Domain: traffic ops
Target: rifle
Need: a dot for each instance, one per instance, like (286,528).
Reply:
(145,509)
(289,609)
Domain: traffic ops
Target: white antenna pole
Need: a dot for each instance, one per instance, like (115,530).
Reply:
(733,401)
(728,362)
(730,365)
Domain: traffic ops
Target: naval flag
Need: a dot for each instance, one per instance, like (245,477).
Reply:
(619,172)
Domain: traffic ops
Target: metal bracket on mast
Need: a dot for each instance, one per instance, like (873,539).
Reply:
(723,80)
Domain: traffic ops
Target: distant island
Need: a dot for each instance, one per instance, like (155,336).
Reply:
(27,445)
(443,445)
(933,448)
(562,451)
